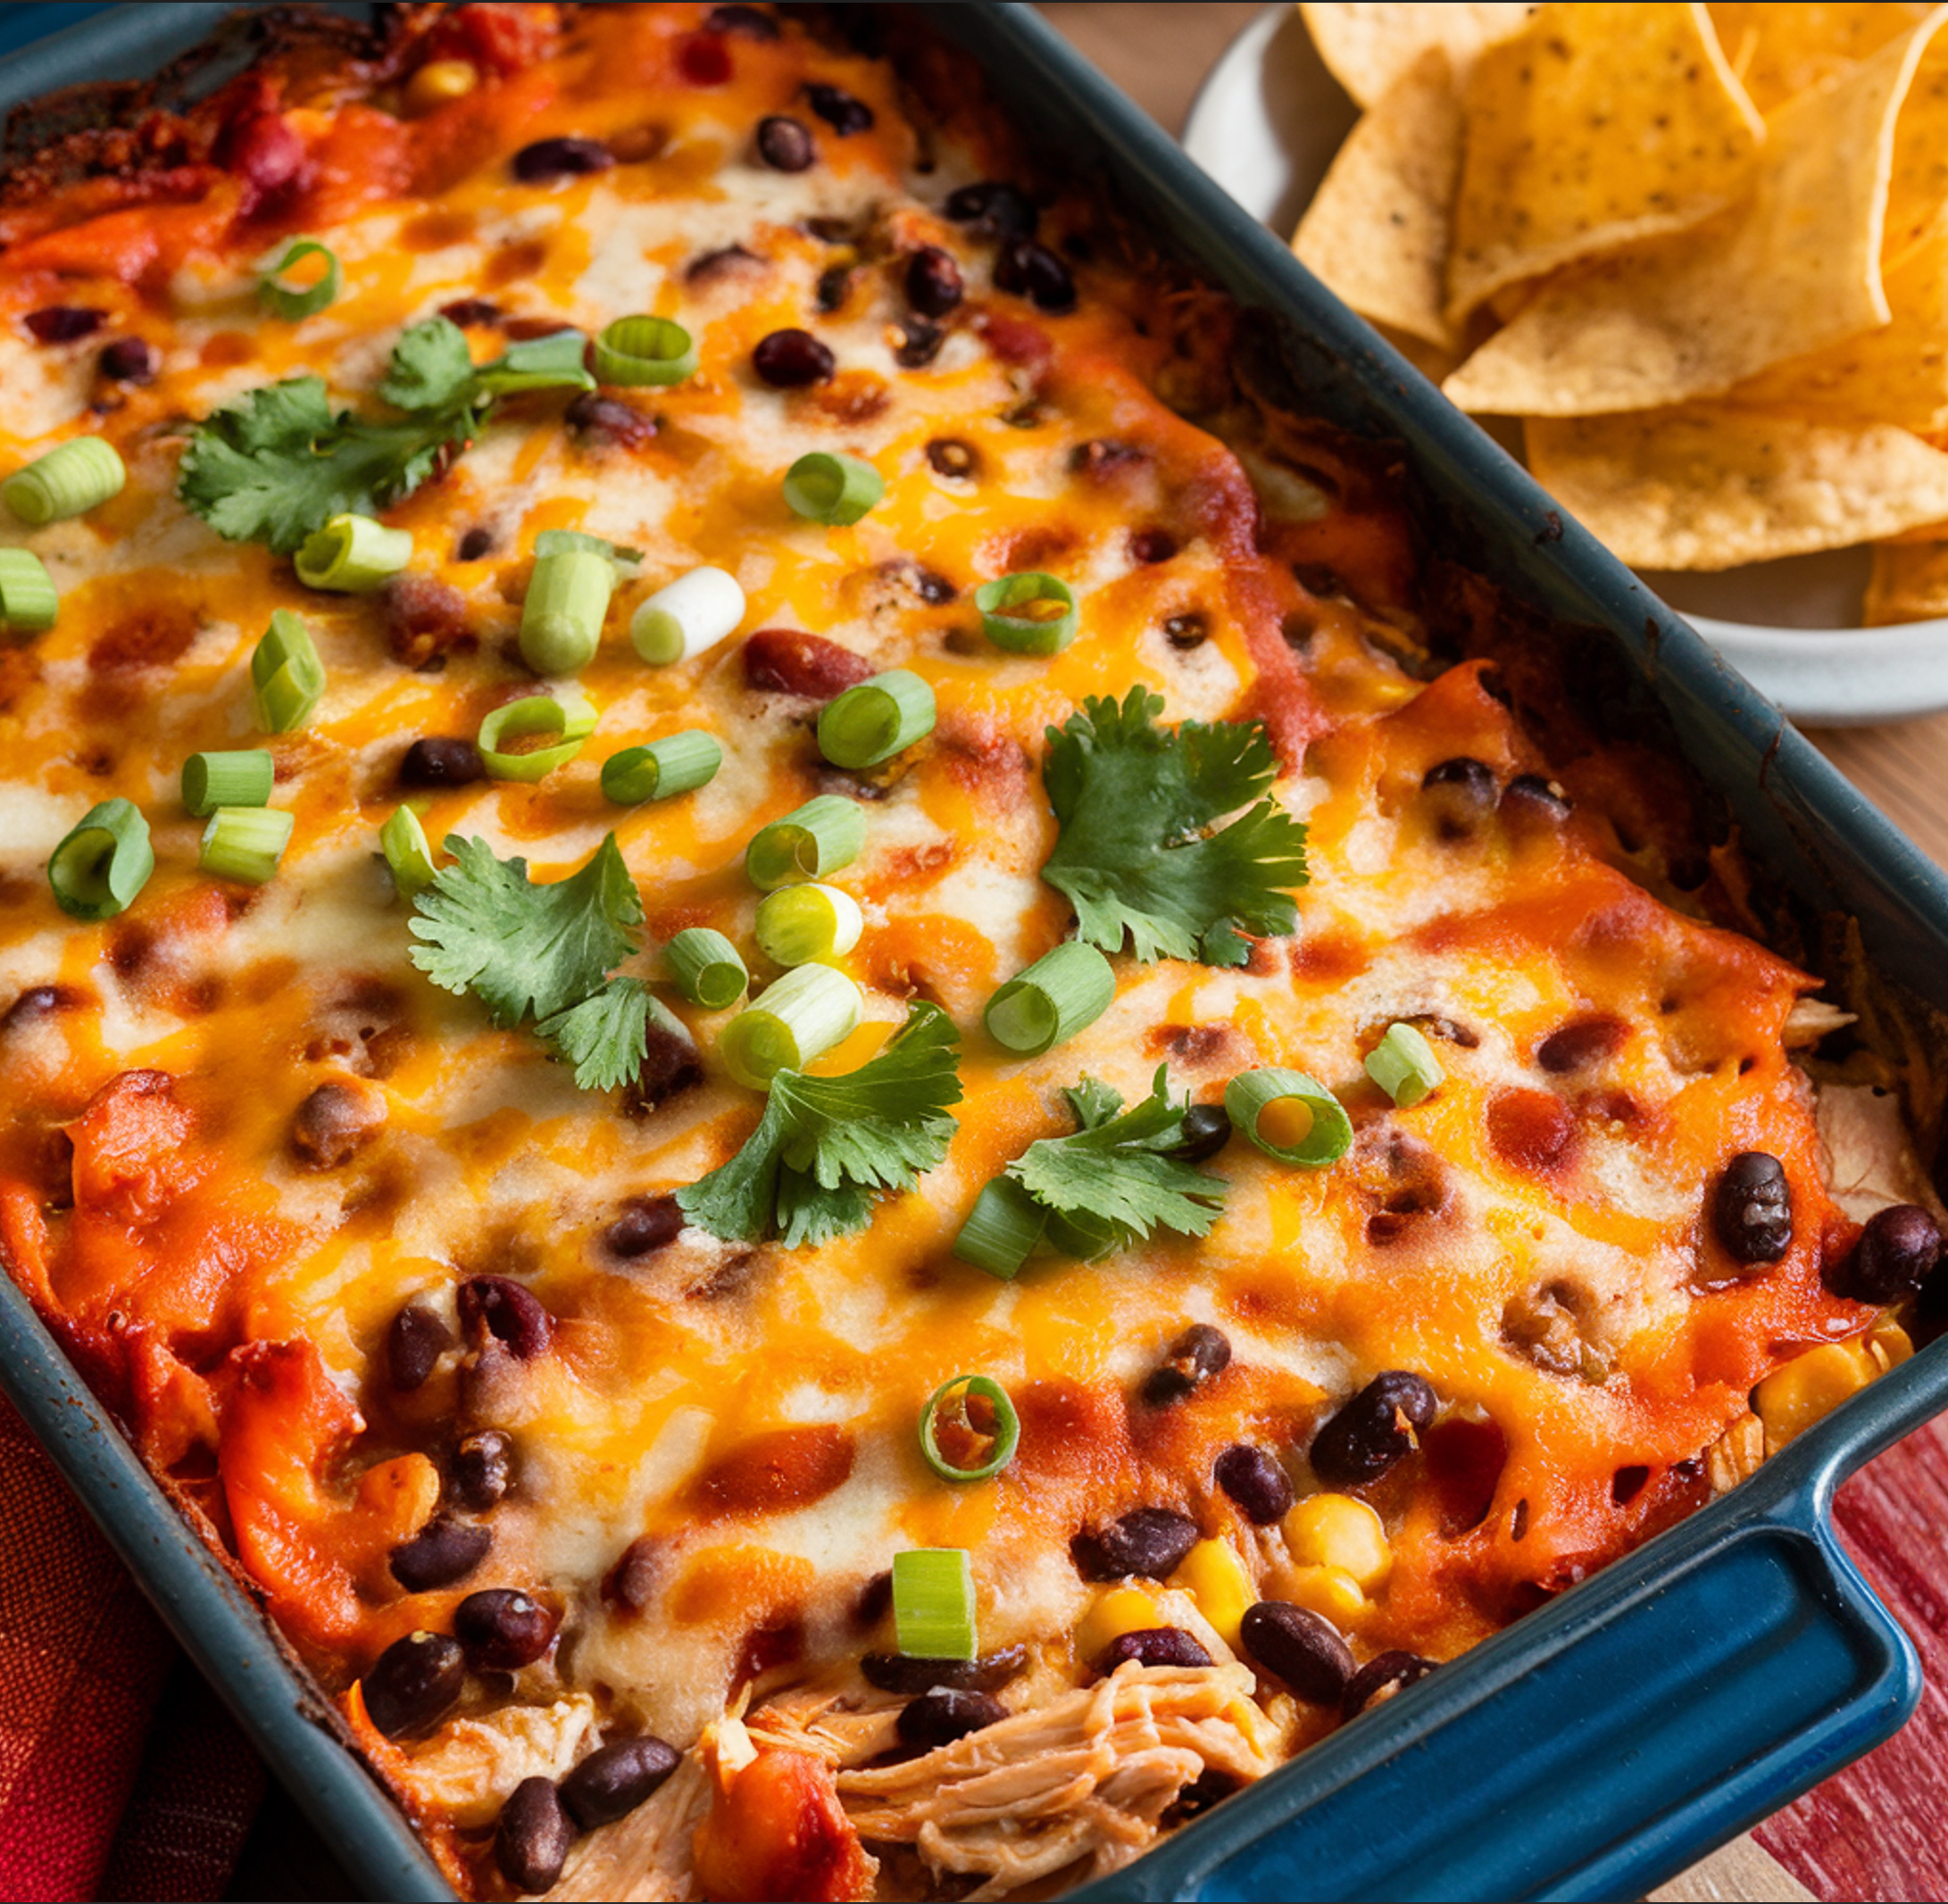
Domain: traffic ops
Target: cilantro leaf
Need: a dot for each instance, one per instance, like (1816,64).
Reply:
(1110,1184)
(825,1145)
(431,368)
(1136,856)
(604,1036)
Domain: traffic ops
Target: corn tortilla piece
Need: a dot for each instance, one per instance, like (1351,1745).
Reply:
(1597,126)
(1909,583)
(1706,487)
(1795,268)
(1368,49)
(1377,231)
(1778,50)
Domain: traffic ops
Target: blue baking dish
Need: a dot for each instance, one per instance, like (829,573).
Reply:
(1600,1745)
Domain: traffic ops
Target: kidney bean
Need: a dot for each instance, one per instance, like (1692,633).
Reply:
(834,283)
(933,282)
(995,209)
(264,151)
(1895,1253)
(1529,798)
(949,456)
(940,1716)
(493,1305)
(534,1837)
(1207,1129)
(1460,792)
(1256,1482)
(919,344)
(838,109)
(910,1674)
(614,1779)
(1185,633)
(415,1683)
(1752,1208)
(441,1552)
(748,21)
(789,359)
(1445,1029)
(646,1224)
(441,760)
(39,1002)
(670,1065)
(469,312)
(477,542)
(63,323)
(1152,546)
(335,1123)
(129,360)
(482,1469)
(1380,1678)
(785,143)
(414,1345)
(789,662)
(1371,1431)
(1197,1355)
(1146,1541)
(703,61)
(1581,1041)
(561,158)
(1154,1646)
(426,619)
(1297,1646)
(607,420)
(502,1629)
(1033,271)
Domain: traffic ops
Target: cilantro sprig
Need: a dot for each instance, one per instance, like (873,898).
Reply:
(1140,854)
(827,1145)
(277,464)
(543,952)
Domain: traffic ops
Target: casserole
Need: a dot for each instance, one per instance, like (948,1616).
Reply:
(1775,1555)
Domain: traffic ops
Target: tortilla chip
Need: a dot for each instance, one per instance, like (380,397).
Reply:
(1910,583)
(1598,126)
(1377,232)
(1795,270)
(1779,50)
(1705,486)
(1368,49)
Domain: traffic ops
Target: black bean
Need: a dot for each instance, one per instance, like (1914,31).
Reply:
(1152,546)
(646,1224)
(1382,1676)
(748,21)
(1752,1208)
(1297,1646)
(414,1345)
(492,1305)
(563,158)
(1035,272)
(1895,1254)
(1200,1353)
(949,456)
(1460,792)
(995,209)
(335,1123)
(415,1683)
(933,282)
(482,1469)
(785,143)
(129,360)
(1209,1787)
(838,109)
(1185,632)
(1147,1540)
(441,1552)
(1931,1307)
(607,420)
(834,282)
(1102,456)
(946,1714)
(502,1629)
(1372,1431)
(470,311)
(1154,1646)
(1256,1482)
(534,1837)
(1580,1042)
(475,544)
(441,760)
(63,323)
(39,1001)
(911,1674)
(670,1064)
(919,344)
(789,359)
(1528,797)
(1445,1029)
(613,1780)
(1207,1129)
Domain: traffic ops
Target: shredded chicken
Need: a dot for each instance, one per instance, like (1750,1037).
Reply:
(466,1772)
(1811,1019)
(648,1853)
(1870,1161)
(1737,1454)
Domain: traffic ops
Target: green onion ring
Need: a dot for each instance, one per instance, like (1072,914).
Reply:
(1005,1434)
(569,717)
(1251,1094)
(289,301)
(1026,634)
(103,864)
(645,349)
(832,489)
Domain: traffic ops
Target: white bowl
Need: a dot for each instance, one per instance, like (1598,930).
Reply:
(1266,124)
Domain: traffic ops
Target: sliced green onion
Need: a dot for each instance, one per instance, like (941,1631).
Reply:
(1309,1125)
(560,542)
(353,555)
(790,1023)
(285,674)
(293,302)
(686,617)
(568,720)
(832,489)
(706,967)
(645,349)
(553,362)
(561,620)
(101,866)
(1043,617)
(797,924)
(1003,1229)
(808,842)
(213,780)
(28,601)
(876,719)
(933,1603)
(1002,1437)
(403,840)
(244,843)
(70,479)
(1403,1064)
(1056,997)
(678,763)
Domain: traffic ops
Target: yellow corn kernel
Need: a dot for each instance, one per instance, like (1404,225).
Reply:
(1214,1577)
(1888,1343)
(401,1494)
(438,82)
(1330,1591)
(1809,1387)
(1334,1530)
(1122,1610)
